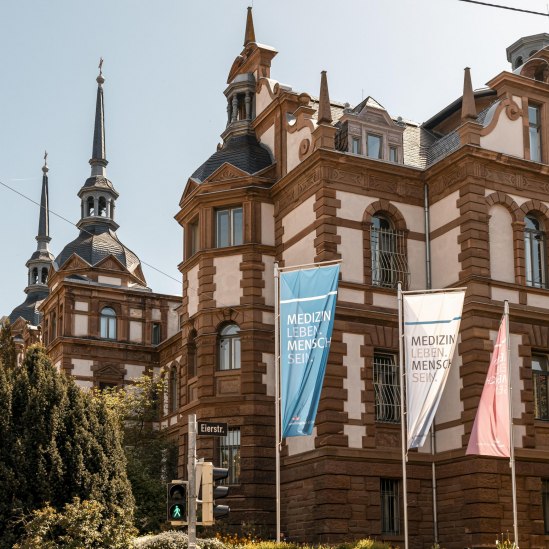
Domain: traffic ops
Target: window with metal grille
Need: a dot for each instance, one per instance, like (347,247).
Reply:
(545,503)
(540,374)
(386,388)
(534,247)
(390,515)
(229,455)
(388,250)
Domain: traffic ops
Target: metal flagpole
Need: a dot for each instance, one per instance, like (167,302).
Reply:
(511,437)
(191,471)
(277,398)
(402,415)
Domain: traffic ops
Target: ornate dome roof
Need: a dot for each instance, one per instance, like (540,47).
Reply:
(29,308)
(94,244)
(242,151)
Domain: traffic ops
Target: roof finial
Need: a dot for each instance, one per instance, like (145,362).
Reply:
(100,79)
(249,35)
(468,107)
(324,112)
(45,168)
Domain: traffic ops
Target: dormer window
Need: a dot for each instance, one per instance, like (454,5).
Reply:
(373,146)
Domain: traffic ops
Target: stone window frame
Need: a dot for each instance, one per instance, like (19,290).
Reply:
(539,108)
(231,236)
(116,317)
(518,215)
(231,338)
(387,209)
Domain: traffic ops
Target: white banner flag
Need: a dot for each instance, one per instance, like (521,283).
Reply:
(431,326)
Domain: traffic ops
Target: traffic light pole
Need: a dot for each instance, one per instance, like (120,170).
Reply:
(191,470)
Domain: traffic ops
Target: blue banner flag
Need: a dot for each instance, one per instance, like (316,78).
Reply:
(307,310)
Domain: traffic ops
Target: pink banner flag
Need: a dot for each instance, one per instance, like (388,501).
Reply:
(491,431)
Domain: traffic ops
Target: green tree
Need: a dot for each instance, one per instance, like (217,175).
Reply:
(60,443)
(151,455)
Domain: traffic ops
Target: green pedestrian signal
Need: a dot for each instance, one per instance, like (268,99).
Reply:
(176,504)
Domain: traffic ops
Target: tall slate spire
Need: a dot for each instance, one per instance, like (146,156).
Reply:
(98,160)
(43,236)
(249,35)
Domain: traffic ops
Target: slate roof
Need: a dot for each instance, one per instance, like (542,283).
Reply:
(98,181)
(416,143)
(29,308)
(95,243)
(242,151)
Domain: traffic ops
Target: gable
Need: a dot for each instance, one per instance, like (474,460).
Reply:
(225,172)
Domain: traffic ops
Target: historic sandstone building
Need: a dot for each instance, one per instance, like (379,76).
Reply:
(458,201)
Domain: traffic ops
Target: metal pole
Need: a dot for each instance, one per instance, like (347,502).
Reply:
(277,399)
(191,470)
(511,437)
(402,415)
(427,225)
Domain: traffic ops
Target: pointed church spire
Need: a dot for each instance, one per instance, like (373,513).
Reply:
(468,107)
(249,35)
(44,218)
(98,160)
(324,112)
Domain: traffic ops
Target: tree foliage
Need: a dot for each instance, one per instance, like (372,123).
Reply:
(58,443)
(80,525)
(151,455)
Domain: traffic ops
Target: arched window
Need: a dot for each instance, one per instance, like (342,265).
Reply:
(53,326)
(229,348)
(102,206)
(388,253)
(191,355)
(44,275)
(173,393)
(108,323)
(90,209)
(34,277)
(535,256)
(518,62)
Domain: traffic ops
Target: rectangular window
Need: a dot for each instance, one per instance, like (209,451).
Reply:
(386,388)
(194,237)
(540,374)
(534,128)
(393,154)
(155,333)
(374,146)
(545,503)
(355,145)
(229,455)
(229,227)
(390,516)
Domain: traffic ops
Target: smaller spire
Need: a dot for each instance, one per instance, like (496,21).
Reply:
(45,168)
(324,112)
(468,107)
(100,79)
(249,35)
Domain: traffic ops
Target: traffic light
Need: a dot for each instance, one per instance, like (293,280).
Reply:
(210,493)
(176,506)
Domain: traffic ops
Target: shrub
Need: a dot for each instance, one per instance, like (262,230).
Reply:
(174,540)
(81,525)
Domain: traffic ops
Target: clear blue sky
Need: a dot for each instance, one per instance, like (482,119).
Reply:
(166,64)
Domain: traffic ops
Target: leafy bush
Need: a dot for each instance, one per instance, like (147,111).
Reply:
(174,540)
(81,525)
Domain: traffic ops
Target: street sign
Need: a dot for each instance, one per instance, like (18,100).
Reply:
(212,428)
